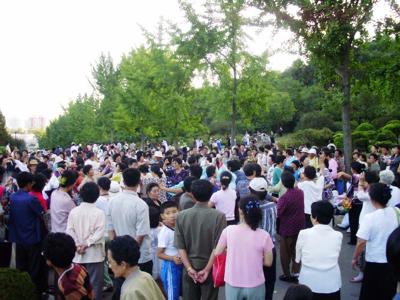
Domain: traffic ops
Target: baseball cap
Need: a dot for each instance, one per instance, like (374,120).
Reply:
(312,151)
(258,184)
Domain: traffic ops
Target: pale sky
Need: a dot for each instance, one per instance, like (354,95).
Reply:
(48,47)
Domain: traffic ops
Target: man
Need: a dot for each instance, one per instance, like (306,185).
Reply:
(27,231)
(242,187)
(129,215)
(196,235)
(86,225)
(91,160)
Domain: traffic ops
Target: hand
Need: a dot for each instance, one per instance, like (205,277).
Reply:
(202,275)
(354,263)
(177,260)
(192,274)
(81,249)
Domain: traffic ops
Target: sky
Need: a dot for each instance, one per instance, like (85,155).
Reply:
(48,47)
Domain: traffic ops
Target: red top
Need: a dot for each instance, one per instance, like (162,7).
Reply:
(41,199)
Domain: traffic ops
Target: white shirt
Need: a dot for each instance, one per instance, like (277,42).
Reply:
(375,229)
(129,215)
(93,163)
(318,250)
(166,240)
(86,225)
(395,196)
(312,192)
(102,203)
(367,206)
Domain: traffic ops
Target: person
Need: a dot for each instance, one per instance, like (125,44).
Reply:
(88,171)
(291,221)
(61,202)
(73,282)
(313,158)
(379,281)
(393,256)
(26,231)
(129,215)
(242,186)
(278,169)
(318,250)
(171,266)
(156,175)
(186,200)
(39,182)
(312,190)
(225,199)
(298,292)
(86,225)
(387,177)
(123,256)
(248,250)
(373,160)
(196,234)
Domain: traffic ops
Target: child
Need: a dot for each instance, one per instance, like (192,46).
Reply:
(171,264)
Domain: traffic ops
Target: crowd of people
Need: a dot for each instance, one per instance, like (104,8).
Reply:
(163,223)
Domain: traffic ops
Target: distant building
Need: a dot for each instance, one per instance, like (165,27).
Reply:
(14,123)
(36,123)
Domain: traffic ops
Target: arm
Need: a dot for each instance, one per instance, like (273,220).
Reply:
(210,204)
(185,260)
(268,258)
(97,235)
(344,176)
(142,225)
(110,226)
(161,255)
(357,252)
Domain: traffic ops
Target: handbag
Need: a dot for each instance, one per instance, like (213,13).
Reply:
(218,272)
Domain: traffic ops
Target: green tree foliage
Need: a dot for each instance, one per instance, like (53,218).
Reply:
(16,285)
(4,136)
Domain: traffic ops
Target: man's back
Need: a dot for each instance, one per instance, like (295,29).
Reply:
(197,231)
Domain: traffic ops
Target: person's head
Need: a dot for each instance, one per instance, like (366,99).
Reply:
(371,177)
(225,179)
(249,170)
(257,169)
(187,183)
(169,211)
(396,150)
(384,149)
(25,180)
(131,163)
(258,186)
(153,191)
(123,254)
(249,209)
(32,165)
(287,179)
(312,153)
(177,163)
(233,165)
(131,177)
(380,194)
(143,169)
(393,251)
(373,158)
(59,250)
(210,171)
(288,152)
(104,183)
(338,153)
(196,170)
(387,177)
(90,155)
(39,182)
(321,212)
(295,165)
(310,172)
(279,159)
(89,192)
(324,153)
(202,190)
(88,170)
(298,292)
(68,179)
(357,167)
(155,168)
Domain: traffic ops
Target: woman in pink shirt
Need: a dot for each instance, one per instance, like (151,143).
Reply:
(249,248)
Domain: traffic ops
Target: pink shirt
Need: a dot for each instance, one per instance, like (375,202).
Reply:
(333,166)
(224,201)
(245,255)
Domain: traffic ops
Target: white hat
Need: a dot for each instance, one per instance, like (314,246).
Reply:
(158,154)
(258,184)
(304,150)
(115,188)
(312,151)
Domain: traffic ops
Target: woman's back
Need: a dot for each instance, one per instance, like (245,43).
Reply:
(225,201)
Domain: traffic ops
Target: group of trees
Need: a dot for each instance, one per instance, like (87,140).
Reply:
(151,92)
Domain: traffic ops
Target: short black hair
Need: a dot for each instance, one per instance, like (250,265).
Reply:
(86,169)
(289,152)
(187,183)
(196,170)
(310,172)
(39,182)
(248,169)
(177,160)
(90,154)
(233,165)
(24,178)
(202,190)
(89,192)
(322,211)
(68,178)
(287,179)
(374,155)
(393,251)
(150,186)
(167,204)
(125,249)
(210,171)
(357,166)
(131,177)
(298,292)
(380,193)
(143,169)
(371,177)
(279,159)
(257,169)
(59,248)
(104,183)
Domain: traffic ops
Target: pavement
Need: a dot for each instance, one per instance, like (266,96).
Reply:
(350,291)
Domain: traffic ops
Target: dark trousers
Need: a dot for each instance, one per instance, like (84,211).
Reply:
(5,254)
(331,296)
(379,282)
(354,217)
(96,274)
(197,291)
(30,260)
(288,255)
(270,277)
(118,282)
(307,219)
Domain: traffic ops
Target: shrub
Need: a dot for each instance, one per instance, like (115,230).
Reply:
(318,137)
(15,285)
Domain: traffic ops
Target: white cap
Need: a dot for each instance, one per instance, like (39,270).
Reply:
(258,184)
(312,151)
(304,150)
(158,154)
(115,188)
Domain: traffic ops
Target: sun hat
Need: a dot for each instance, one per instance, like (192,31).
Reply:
(258,184)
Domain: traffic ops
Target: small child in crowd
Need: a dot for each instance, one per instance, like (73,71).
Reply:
(171,264)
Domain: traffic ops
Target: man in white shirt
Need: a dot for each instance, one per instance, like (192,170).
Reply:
(312,191)
(86,225)
(92,161)
(129,215)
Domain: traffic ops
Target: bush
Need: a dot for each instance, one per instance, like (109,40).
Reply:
(315,119)
(317,137)
(386,135)
(15,285)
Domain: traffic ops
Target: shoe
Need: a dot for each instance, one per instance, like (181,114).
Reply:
(357,279)
(288,279)
(344,227)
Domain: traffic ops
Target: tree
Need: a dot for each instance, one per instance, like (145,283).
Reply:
(4,136)
(329,30)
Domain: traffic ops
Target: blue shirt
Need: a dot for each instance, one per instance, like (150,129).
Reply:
(25,212)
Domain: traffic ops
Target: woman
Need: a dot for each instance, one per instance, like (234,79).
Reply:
(225,199)
(318,250)
(154,203)
(177,174)
(248,250)
(37,188)
(354,213)
(328,180)
(379,281)
(88,172)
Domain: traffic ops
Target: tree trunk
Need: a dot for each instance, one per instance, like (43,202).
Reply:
(234,108)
